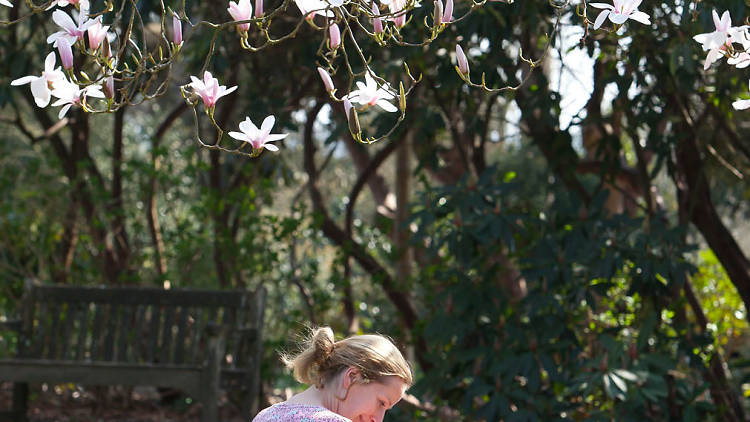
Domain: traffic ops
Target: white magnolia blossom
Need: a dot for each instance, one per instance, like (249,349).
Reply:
(71,30)
(741,104)
(620,12)
(740,61)
(719,41)
(371,94)
(258,138)
(70,94)
(40,85)
(6,3)
(314,7)
(63,3)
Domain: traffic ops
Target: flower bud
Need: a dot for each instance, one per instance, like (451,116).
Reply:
(448,13)
(462,63)
(335,36)
(66,54)
(377,23)
(437,13)
(106,49)
(176,30)
(400,20)
(108,87)
(327,81)
(258,8)
(351,116)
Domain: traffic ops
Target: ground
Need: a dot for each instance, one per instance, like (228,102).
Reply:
(72,403)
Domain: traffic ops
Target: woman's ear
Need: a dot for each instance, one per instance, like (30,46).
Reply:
(350,376)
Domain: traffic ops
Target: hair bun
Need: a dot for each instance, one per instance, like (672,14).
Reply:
(322,342)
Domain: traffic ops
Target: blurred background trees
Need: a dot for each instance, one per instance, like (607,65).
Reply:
(575,249)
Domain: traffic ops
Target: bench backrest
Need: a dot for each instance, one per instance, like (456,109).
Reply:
(139,325)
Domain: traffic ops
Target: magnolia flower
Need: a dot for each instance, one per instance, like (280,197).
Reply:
(258,8)
(66,53)
(63,3)
(721,35)
(40,85)
(241,11)
(176,30)
(96,33)
(70,30)
(741,104)
(309,8)
(6,3)
(336,3)
(714,55)
(70,94)
(377,23)
(108,87)
(448,12)
(371,94)
(326,77)
(462,64)
(620,12)
(334,35)
(258,138)
(209,89)
(742,60)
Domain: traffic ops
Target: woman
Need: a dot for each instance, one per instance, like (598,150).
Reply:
(356,379)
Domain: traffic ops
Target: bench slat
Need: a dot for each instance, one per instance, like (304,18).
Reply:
(83,325)
(198,327)
(55,310)
(96,340)
(182,321)
(153,334)
(102,373)
(71,314)
(166,335)
(137,353)
(109,339)
(124,333)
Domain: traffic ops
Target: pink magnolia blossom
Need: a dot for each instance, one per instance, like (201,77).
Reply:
(371,94)
(258,8)
(326,77)
(461,62)
(620,12)
(70,94)
(71,30)
(437,13)
(335,36)
(377,22)
(66,53)
(96,33)
(258,138)
(176,30)
(241,11)
(209,89)
(41,85)
(448,13)
(741,104)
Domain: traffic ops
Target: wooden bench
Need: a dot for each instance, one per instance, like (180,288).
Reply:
(198,341)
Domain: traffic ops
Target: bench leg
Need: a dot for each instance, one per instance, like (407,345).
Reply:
(20,401)
(211,377)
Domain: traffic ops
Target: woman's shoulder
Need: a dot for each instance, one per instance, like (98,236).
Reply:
(292,412)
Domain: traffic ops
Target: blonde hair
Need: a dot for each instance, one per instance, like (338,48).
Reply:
(322,358)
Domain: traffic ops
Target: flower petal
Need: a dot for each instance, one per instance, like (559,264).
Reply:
(741,104)
(49,62)
(25,80)
(387,106)
(600,19)
(276,137)
(267,124)
(602,6)
(41,92)
(641,17)
(271,147)
(238,135)
(618,18)
(63,110)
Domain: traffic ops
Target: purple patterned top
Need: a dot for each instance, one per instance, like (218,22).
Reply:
(286,412)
